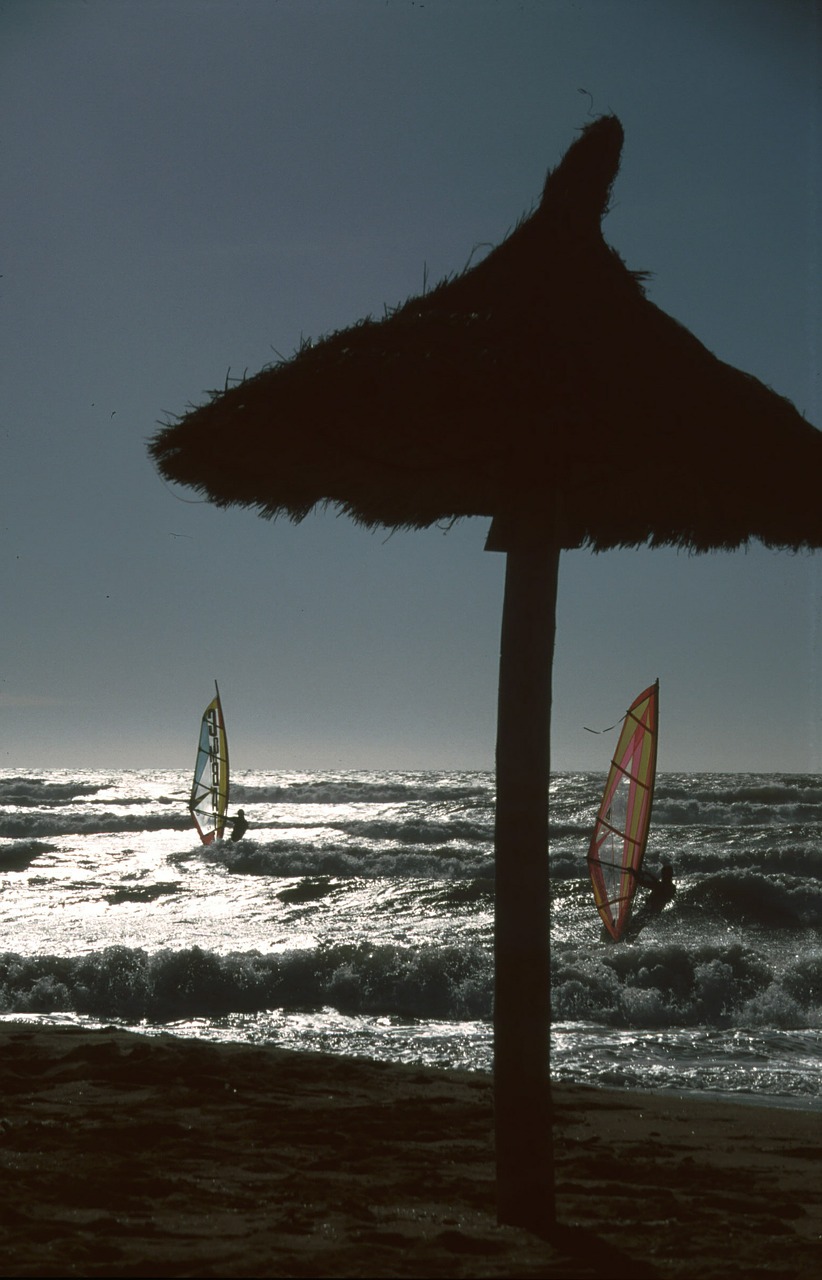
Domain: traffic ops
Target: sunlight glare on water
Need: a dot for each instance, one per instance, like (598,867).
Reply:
(357,917)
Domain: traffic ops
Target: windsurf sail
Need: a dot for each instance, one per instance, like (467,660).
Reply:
(621,829)
(209,790)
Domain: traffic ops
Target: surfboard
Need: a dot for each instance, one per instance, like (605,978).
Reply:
(623,820)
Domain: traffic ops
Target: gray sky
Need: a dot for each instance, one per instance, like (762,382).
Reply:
(192,185)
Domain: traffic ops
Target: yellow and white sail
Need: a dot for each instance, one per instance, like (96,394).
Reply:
(209,790)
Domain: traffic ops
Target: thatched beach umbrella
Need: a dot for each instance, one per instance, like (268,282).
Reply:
(540,388)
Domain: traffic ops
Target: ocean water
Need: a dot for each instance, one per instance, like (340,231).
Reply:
(357,915)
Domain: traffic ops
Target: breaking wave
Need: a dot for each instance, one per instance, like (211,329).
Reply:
(663,986)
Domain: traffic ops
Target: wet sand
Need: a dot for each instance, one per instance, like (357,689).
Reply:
(127,1155)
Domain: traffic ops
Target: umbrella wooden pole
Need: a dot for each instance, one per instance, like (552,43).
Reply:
(522,956)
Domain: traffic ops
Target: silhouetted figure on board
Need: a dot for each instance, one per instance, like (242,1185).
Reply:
(662,888)
(240,826)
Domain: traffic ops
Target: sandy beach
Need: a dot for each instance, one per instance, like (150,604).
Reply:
(126,1155)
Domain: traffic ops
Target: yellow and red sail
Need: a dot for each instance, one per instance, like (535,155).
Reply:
(621,829)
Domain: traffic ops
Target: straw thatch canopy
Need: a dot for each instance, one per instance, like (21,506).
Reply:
(539,381)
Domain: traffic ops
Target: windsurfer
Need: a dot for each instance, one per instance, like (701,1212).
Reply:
(240,826)
(662,891)
(662,888)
